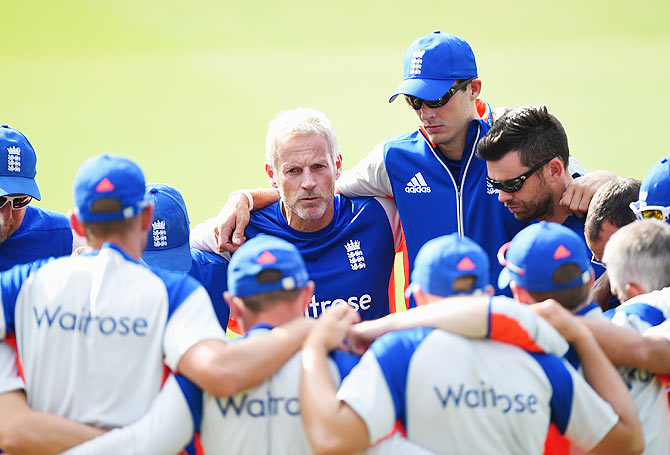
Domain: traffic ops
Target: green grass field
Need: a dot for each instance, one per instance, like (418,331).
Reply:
(187,89)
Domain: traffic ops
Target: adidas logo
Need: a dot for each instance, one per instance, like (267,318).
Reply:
(417,185)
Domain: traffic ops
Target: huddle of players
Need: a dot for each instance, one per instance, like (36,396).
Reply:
(268,286)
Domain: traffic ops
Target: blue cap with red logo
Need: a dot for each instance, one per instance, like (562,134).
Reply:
(266,253)
(109,177)
(433,63)
(534,254)
(444,259)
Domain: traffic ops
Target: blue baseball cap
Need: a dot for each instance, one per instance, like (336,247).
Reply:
(167,245)
(534,254)
(109,177)
(442,260)
(433,63)
(655,191)
(266,252)
(17,164)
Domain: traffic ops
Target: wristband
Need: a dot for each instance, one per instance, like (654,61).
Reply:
(250,199)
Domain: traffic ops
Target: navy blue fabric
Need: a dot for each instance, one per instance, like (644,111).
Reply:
(393,352)
(326,257)
(562,389)
(42,234)
(211,270)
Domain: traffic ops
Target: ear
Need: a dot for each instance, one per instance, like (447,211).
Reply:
(146,217)
(306,294)
(633,290)
(338,166)
(476,86)
(76,224)
(520,294)
(270,172)
(554,169)
(234,305)
(420,297)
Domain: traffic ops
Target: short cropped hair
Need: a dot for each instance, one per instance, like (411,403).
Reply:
(107,228)
(530,130)
(302,121)
(639,253)
(611,203)
(266,300)
(570,298)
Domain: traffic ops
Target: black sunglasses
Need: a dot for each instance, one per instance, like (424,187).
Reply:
(415,103)
(515,184)
(17,202)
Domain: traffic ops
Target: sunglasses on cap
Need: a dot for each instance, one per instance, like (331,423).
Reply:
(657,212)
(415,103)
(18,202)
(515,184)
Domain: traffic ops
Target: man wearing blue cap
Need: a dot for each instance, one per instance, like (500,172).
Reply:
(28,232)
(654,201)
(444,389)
(549,261)
(268,286)
(168,247)
(108,316)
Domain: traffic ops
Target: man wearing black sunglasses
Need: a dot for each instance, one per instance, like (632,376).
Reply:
(526,153)
(29,232)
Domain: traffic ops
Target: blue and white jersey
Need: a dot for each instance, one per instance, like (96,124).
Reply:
(93,332)
(42,234)
(437,197)
(262,420)
(350,260)
(448,391)
(646,313)
(432,198)
(211,270)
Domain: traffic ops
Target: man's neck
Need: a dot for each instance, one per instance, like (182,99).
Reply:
(278,314)
(132,249)
(454,149)
(558,213)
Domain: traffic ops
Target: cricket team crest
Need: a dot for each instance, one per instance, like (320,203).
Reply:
(160,234)
(355,255)
(490,189)
(417,62)
(14,159)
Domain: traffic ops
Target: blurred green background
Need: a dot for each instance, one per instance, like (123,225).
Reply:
(187,88)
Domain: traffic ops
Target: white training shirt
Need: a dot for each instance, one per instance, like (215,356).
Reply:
(94,330)
(455,395)
(643,314)
(9,375)
(262,420)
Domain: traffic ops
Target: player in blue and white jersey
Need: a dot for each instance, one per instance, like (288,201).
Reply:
(29,232)
(105,314)
(268,286)
(549,261)
(526,153)
(448,410)
(654,199)
(348,244)
(168,247)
